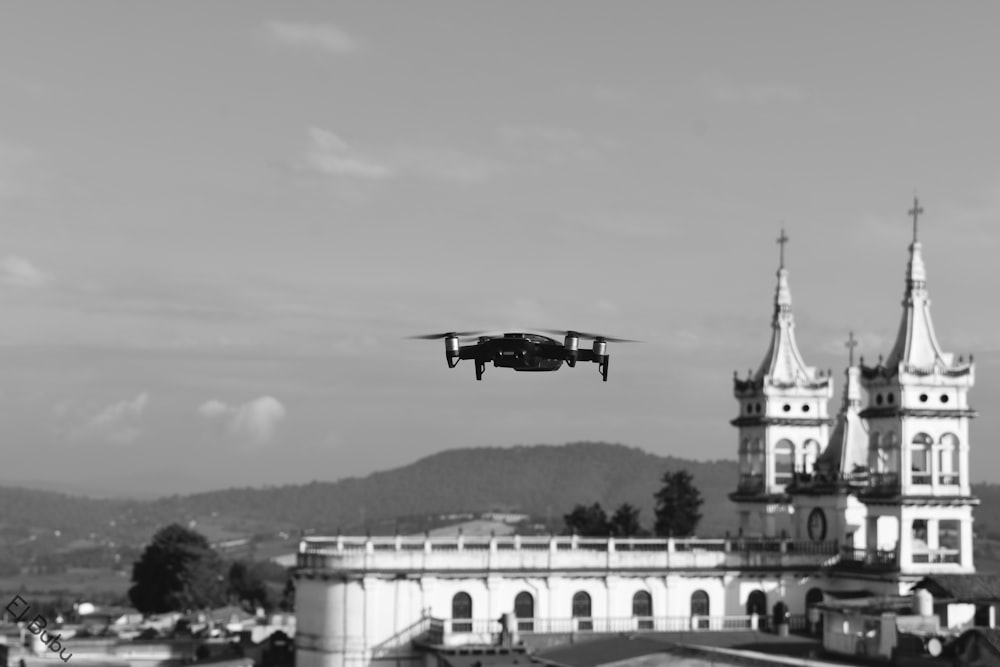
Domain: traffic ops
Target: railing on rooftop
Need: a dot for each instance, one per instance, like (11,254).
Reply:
(868,559)
(546,553)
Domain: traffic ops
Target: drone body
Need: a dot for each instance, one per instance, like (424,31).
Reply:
(525,351)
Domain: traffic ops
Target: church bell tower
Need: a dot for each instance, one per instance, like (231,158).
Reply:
(782,421)
(917,409)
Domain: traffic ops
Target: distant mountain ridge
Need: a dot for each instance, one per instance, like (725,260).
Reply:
(540,480)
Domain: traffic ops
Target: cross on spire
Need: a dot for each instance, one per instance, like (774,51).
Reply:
(915,214)
(850,345)
(782,240)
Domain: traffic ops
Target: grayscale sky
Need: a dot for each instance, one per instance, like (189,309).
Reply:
(220,219)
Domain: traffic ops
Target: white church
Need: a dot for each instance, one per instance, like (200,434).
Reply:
(869,506)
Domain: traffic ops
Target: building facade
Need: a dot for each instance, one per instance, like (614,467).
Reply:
(873,505)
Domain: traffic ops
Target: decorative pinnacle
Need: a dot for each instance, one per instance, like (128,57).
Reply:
(915,214)
(782,240)
(850,345)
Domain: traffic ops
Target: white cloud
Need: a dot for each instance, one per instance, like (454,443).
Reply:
(329,155)
(118,422)
(212,408)
(18,272)
(446,165)
(756,94)
(255,420)
(321,36)
(554,144)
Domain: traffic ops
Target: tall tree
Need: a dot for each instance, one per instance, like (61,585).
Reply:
(677,505)
(178,571)
(248,588)
(588,521)
(625,522)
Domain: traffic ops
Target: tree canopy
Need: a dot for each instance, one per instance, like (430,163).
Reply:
(178,571)
(678,504)
(593,521)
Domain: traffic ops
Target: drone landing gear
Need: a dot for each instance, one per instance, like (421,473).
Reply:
(602,367)
(480,367)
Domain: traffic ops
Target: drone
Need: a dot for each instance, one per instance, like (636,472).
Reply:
(525,351)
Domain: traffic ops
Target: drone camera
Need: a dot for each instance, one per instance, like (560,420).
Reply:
(572,344)
(451,350)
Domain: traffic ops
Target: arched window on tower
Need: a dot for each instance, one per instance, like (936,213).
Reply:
(642,609)
(461,613)
(744,456)
(891,446)
(524,611)
(810,452)
(948,468)
(784,462)
(876,460)
(757,457)
(581,611)
(920,459)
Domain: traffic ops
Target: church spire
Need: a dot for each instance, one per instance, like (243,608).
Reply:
(916,344)
(783,363)
(848,445)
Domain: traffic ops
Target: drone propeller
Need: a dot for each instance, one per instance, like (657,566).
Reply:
(436,336)
(584,334)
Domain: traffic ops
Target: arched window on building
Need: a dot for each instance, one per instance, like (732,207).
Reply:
(810,452)
(948,468)
(461,613)
(581,611)
(813,616)
(920,459)
(784,462)
(642,609)
(757,604)
(700,608)
(524,611)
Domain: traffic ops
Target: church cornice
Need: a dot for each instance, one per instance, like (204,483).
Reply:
(883,372)
(875,413)
(781,421)
(920,500)
(763,498)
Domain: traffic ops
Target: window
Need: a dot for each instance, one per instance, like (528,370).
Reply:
(813,597)
(786,407)
(757,603)
(878,399)
(461,609)
(920,459)
(948,471)
(918,535)
(810,452)
(581,611)
(524,610)
(784,462)
(949,541)
(700,608)
(757,457)
(642,608)
(875,461)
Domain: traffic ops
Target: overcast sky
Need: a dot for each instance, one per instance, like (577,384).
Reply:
(219,220)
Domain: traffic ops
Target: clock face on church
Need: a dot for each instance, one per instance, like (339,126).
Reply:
(817,525)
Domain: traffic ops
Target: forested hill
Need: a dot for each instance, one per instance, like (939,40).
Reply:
(538,480)
(541,480)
